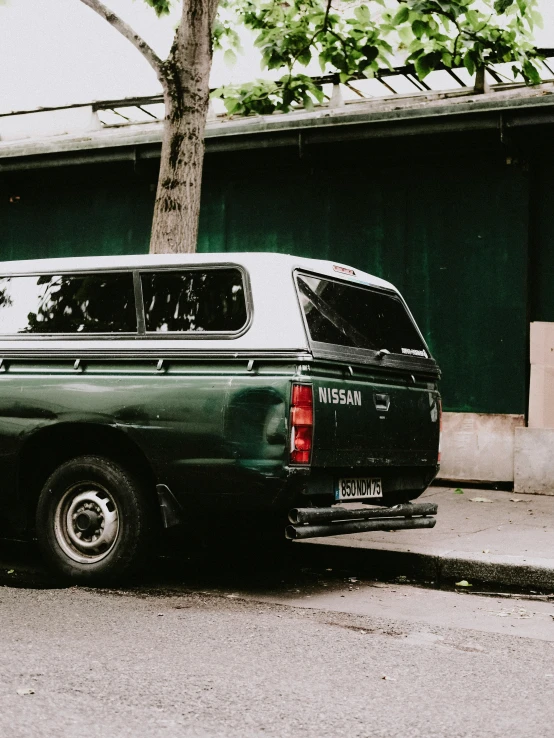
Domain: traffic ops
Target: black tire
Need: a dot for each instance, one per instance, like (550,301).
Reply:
(94,521)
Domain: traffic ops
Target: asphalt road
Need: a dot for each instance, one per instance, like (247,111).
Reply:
(269,650)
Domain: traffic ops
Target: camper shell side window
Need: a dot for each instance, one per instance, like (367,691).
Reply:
(196,302)
(67,304)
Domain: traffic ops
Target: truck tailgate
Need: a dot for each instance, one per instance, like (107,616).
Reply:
(377,421)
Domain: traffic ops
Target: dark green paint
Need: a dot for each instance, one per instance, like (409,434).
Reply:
(89,211)
(351,430)
(451,231)
(542,234)
(213,432)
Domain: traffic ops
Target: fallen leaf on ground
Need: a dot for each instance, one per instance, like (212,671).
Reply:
(11,571)
(463,583)
(25,690)
(479,499)
(516,499)
(458,491)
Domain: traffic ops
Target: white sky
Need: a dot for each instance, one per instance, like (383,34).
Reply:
(58,52)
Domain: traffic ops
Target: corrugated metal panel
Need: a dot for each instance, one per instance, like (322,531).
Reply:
(78,212)
(542,236)
(451,234)
(452,237)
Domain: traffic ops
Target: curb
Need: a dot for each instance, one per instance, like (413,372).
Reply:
(439,568)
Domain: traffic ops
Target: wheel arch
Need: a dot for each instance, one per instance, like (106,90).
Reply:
(47,448)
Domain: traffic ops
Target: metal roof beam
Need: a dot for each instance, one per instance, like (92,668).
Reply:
(405,70)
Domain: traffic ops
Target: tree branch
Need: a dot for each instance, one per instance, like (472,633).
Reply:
(327,11)
(312,39)
(127,32)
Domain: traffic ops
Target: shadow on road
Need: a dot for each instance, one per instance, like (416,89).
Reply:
(261,564)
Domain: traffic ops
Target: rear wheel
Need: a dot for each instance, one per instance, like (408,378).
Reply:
(94,521)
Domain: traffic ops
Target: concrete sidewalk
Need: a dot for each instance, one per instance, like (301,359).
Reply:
(507,540)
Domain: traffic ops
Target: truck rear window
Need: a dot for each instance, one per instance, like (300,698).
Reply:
(194,300)
(68,303)
(358,317)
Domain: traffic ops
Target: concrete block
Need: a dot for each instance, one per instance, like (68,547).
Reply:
(478,447)
(542,343)
(534,461)
(541,396)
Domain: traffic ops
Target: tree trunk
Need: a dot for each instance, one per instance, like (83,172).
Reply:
(186,93)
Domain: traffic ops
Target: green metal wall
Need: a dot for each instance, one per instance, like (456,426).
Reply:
(452,237)
(542,239)
(450,233)
(74,211)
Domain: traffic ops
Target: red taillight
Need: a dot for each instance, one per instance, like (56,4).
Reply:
(302,421)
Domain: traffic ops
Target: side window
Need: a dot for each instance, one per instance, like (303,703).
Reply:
(68,303)
(194,300)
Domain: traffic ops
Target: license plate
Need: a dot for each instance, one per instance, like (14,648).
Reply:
(358,489)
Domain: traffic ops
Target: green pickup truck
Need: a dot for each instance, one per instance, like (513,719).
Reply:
(139,392)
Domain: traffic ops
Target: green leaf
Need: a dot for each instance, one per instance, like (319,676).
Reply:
(469,64)
(501,6)
(322,62)
(318,93)
(305,57)
(385,45)
(162,7)
(459,491)
(371,53)
(424,65)
(473,19)
(362,14)
(231,104)
(419,27)
(405,34)
(308,102)
(401,16)
(463,583)
(230,58)
(531,73)
(537,19)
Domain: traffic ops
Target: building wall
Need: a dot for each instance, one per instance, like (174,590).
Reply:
(450,229)
(452,237)
(542,236)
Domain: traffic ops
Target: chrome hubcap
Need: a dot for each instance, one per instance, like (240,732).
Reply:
(86,522)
